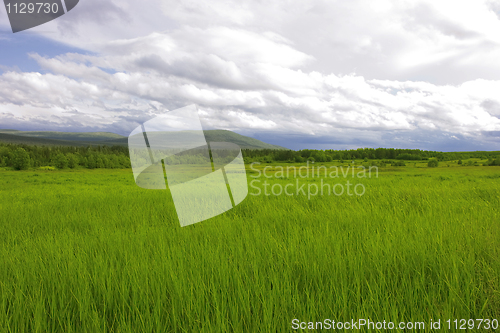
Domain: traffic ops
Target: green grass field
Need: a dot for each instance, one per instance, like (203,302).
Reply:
(89,251)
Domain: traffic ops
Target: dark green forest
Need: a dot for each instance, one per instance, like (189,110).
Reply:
(22,157)
(366,154)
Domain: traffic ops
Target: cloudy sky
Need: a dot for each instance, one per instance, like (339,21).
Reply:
(302,74)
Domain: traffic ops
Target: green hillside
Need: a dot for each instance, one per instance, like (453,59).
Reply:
(244,142)
(67,136)
(41,138)
(37,141)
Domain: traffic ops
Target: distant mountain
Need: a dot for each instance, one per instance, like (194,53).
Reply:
(37,141)
(67,136)
(41,138)
(245,142)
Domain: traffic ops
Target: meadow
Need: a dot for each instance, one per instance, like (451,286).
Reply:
(89,251)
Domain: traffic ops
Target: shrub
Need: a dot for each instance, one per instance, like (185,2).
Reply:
(433,163)
(492,162)
(60,161)
(378,163)
(114,162)
(91,162)
(268,159)
(125,161)
(21,159)
(100,162)
(72,161)
(51,168)
(398,163)
(318,156)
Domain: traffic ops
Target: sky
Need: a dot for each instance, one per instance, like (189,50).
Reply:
(334,74)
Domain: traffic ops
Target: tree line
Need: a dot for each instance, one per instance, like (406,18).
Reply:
(22,157)
(269,155)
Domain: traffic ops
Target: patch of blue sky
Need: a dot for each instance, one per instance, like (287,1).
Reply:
(15,50)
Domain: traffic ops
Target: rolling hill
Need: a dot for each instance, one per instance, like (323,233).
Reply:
(37,141)
(41,138)
(69,136)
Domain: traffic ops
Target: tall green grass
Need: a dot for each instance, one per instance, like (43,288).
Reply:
(89,251)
